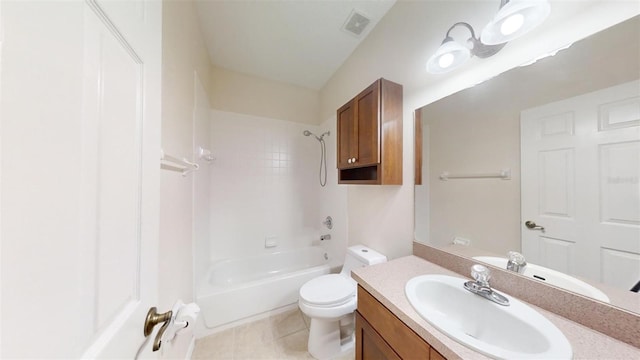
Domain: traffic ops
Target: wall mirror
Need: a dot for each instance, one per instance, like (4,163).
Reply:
(544,160)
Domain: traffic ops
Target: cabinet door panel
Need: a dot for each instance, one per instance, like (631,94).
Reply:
(368,115)
(402,339)
(370,344)
(434,355)
(347,134)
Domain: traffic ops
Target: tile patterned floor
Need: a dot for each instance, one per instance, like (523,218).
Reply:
(282,336)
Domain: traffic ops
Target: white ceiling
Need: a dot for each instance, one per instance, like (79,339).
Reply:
(301,42)
(294,41)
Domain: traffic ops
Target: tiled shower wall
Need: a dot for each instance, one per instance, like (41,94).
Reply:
(201,185)
(264,185)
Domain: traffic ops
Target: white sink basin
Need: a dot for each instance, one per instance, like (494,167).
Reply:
(503,332)
(551,277)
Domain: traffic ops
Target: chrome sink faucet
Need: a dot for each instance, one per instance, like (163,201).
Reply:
(481,285)
(516,262)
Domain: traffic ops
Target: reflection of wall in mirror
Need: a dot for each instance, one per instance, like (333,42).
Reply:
(458,139)
(477,131)
(485,211)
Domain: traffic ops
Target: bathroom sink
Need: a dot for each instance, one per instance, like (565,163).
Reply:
(515,331)
(551,277)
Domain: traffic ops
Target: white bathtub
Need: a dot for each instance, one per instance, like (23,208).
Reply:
(235,289)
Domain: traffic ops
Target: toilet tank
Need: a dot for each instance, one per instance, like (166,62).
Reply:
(360,256)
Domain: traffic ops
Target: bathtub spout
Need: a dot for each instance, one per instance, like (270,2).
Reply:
(325,237)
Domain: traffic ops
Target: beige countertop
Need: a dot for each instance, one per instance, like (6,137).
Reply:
(386,283)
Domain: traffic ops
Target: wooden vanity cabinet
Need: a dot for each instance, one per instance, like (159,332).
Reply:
(382,335)
(370,136)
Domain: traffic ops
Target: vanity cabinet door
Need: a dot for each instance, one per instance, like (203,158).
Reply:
(347,134)
(358,129)
(434,355)
(369,344)
(381,335)
(368,110)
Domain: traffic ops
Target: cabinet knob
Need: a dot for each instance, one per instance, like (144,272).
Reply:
(349,161)
(353,160)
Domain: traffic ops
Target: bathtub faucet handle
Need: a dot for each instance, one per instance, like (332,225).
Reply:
(328,222)
(325,237)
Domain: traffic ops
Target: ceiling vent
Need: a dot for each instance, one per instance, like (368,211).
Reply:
(356,23)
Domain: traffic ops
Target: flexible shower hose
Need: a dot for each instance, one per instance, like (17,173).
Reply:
(323,162)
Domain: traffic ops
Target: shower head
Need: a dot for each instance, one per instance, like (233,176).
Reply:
(307,133)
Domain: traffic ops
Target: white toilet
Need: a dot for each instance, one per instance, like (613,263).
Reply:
(330,300)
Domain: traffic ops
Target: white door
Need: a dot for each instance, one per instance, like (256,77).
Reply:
(580,181)
(80,140)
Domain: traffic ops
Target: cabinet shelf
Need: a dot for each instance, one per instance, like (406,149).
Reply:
(360,175)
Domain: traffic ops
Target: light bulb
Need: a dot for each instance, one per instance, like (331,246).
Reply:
(514,19)
(445,60)
(512,24)
(448,56)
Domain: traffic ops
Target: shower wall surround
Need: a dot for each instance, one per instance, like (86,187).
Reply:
(201,185)
(264,185)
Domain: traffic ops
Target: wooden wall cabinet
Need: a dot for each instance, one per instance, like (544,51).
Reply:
(370,136)
(381,335)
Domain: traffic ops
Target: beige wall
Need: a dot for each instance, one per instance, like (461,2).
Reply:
(183,54)
(382,217)
(236,92)
(486,211)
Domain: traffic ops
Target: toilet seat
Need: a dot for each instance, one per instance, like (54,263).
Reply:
(328,291)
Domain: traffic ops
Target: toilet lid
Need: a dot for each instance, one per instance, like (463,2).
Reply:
(333,289)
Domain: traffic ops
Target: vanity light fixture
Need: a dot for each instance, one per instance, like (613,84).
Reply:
(514,19)
(452,54)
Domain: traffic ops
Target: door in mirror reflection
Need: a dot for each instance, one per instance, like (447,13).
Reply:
(580,183)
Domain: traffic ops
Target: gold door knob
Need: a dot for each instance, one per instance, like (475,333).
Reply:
(153,319)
